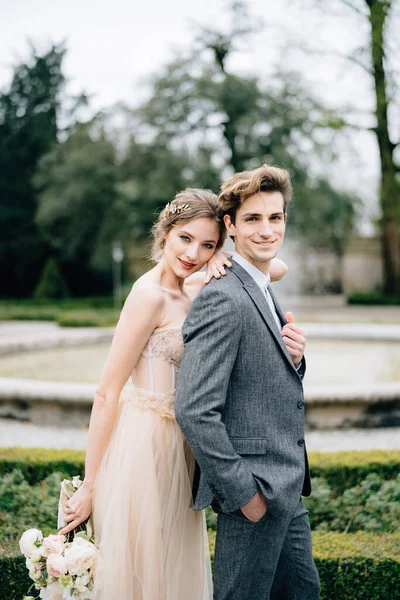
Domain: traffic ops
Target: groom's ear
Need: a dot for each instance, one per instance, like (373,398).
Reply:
(230,227)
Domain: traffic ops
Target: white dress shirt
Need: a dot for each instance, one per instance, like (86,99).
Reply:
(261,280)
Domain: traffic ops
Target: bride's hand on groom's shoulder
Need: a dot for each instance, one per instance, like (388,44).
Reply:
(77,509)
(216,265)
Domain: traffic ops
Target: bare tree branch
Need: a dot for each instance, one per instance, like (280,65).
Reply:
(336,54)
(353,7)
(355,61)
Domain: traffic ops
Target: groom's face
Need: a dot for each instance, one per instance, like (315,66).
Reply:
(259,228)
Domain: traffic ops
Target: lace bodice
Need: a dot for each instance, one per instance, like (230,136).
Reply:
(154,377)
(165,344)
(158,366)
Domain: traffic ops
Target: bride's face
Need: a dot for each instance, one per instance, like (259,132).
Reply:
(188,246)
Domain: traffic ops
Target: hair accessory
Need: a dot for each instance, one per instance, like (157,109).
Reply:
(173,209)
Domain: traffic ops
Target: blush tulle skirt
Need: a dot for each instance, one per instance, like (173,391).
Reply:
(152,545)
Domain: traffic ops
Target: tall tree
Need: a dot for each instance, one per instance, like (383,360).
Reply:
(28,129)
(76,183)
(246,121)
(374,58)
(378,11)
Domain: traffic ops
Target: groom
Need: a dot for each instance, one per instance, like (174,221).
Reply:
(240,405)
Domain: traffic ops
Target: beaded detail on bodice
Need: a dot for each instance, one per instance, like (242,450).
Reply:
(165,344)
(154,377)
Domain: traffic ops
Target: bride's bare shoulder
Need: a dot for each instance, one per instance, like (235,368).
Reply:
(146,295)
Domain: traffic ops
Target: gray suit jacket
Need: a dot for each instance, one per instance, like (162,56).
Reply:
(239,399)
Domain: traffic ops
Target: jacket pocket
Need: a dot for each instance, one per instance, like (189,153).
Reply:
(249,445)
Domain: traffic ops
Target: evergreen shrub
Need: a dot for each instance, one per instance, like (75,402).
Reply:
(52,283)
(376,298)
(36,464)
(343,470)
(359,566)
(88,318)
(352,566)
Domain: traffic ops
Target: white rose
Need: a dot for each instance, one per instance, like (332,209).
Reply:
(81,583)
(27,541)
(52,592)
(56,565)
(35,574)
(85,595)
(83,579)
(53,544)
(81,555)
(76,482)
(36,556)
(80,587)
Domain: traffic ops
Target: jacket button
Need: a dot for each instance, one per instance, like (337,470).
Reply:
(301,442)
(300,404)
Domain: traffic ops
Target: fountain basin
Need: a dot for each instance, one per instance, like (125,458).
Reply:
(352,379)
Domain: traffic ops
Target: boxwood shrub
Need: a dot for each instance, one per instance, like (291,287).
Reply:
(357,566)
(37,463)
(341,470)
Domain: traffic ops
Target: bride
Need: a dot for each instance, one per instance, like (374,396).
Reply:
(138,468)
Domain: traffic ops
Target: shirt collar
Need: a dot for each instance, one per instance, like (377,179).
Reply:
(261,280)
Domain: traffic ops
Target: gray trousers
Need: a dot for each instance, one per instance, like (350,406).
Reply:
(268,560)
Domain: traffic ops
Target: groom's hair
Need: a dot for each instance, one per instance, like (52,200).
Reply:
(242,185)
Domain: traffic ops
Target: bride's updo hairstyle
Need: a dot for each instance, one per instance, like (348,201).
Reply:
(188,205)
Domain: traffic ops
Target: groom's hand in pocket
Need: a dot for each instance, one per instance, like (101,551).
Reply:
(256,508)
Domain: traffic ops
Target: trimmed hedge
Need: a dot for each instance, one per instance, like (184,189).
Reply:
(352,567)
(357,566)
(88,318)
(343,470)
(340,469)
(374,298)
(38,463)
(83,312)
(360,566)
(14,579)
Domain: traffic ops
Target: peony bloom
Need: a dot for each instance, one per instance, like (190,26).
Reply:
(81,555)
(56,565)
(53,544)
(27,541)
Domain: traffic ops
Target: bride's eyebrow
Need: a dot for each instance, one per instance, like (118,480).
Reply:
(190,235)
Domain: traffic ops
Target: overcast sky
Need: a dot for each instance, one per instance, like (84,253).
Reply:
(113,45)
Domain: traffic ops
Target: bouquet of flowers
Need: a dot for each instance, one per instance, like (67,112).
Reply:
(62,567)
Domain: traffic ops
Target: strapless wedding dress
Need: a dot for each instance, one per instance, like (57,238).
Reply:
(153,546)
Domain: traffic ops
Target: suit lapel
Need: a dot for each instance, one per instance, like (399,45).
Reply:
(278,309)
(260,301)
